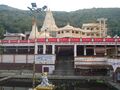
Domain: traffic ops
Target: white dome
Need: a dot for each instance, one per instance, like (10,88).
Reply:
(67,27)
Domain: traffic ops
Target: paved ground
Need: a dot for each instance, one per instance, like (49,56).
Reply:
(114,84)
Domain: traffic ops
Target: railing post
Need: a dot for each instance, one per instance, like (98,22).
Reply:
(75,50)
(84,50)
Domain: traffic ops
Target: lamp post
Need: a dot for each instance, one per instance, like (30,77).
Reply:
(34,10)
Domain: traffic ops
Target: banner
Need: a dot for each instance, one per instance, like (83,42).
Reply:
(45,59)
(115,64)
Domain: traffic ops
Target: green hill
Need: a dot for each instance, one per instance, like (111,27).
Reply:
(16,20)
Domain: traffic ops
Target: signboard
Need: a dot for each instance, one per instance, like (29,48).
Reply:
(45,59)
(115,63)
(90,59)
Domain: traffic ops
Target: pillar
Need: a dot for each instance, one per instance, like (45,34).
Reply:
(36,48)
(105,51)
(4,49)
(44,49)
(94,50)
(75,50)
(100,28)
(28,49)
(16,50)
(53,49)
(14,58)
(105,29)
(116,50)
(84,50)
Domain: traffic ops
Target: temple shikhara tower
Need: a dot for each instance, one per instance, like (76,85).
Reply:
(50,29)
(68,50)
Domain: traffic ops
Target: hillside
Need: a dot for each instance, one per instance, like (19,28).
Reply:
(15,20)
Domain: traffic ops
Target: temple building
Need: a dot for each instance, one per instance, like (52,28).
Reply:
(50,29)
(66,50)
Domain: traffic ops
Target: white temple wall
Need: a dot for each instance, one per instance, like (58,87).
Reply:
(20,58)
(7,58)
(40,59)
(30,58)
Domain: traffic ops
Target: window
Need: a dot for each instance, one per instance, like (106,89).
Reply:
(88,28)
(76,32)
(88,34)
(83,33)
(92,34)
(97,34)
(67,31)
(91,28)
(97,28)
(59,32)
(46,69)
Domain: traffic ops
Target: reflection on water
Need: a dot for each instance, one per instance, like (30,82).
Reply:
(66,86)
(13,88)
(62,88)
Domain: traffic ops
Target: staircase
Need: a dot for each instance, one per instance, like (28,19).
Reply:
(64,66)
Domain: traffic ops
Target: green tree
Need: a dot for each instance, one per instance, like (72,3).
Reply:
(2,30)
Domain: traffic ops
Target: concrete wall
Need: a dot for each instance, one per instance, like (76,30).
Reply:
(23,62)
(40,59)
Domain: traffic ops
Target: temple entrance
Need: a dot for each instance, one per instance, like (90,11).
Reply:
(64,60)
(65,51)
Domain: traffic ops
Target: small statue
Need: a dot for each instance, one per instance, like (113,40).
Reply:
(45,84)
(44,80)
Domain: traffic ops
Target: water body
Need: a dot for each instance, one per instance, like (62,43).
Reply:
(65,86)
(13,88)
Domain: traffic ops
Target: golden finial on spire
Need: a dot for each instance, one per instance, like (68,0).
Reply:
(33,21)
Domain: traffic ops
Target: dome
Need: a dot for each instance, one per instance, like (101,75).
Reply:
(67,27)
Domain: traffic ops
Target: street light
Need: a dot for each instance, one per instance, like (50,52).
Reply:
(34,10)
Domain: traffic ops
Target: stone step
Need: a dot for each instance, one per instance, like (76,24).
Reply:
(63,72)
(64,66)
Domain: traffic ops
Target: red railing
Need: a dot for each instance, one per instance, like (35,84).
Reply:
(63,40)
(41,40)
(98,39)
(109,39)
(86,39)
(74,39)
(52,39)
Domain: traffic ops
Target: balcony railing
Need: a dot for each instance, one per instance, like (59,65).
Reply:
(64,40)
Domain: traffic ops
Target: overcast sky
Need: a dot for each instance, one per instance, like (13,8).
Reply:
(63,5)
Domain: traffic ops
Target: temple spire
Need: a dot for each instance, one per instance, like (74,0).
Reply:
(49,22)
(34,33)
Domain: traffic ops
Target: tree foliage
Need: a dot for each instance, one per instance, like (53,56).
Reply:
(2,30)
